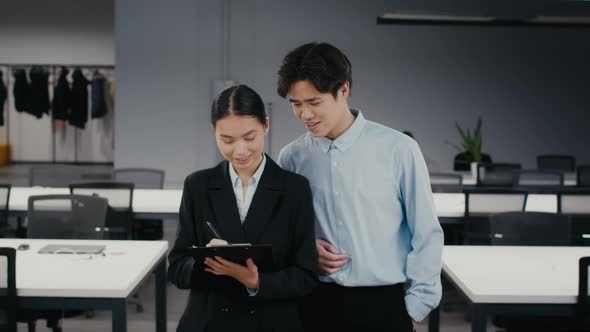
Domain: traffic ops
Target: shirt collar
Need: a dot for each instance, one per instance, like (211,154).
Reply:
(255,178)
(347,138)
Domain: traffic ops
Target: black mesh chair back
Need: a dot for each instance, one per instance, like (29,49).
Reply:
(120,201)
(485,202)
(8,303)
(5,229)
(499,174)
(556,162)
(583,176)
(142,178)
(480,204)
(58,176)
(538,179)
(66,217)
(462,161)
(575,203)
(526,228)
(446,182)
(583,282)
(531,229)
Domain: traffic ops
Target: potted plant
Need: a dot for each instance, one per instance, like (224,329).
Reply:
(471,146)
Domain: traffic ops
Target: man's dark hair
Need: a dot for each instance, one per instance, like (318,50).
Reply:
(239,100)
(324,65)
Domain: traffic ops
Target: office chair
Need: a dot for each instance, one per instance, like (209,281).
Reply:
(482,203)
(120,200)
(462,161)
(583,281)
(58,176)
(446,182)
(530,229)
(562,163)
(538,180)
(583,176)
(63,217)
(499,175)
(119,225)
(6,230)
(8,303)
(525,228)
(144,178)
(575,203)
(66,217)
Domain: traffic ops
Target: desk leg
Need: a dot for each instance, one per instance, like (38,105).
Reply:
(161,297)
(120,315)
(434,320)
(479,318)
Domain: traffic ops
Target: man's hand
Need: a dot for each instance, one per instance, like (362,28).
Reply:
(329,258)
(247,275)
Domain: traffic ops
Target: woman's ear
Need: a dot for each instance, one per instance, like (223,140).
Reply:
(266,126)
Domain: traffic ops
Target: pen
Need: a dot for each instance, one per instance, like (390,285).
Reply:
(212,228)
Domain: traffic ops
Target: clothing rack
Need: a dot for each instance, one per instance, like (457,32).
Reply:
(52,69)
(81,65)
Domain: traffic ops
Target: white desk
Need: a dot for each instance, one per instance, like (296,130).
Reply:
(514,280)
(452,205)
(569,179)
(147,203)
(164,203)
(68,281)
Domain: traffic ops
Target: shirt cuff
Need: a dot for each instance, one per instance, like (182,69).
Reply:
(252,291)
(416,309)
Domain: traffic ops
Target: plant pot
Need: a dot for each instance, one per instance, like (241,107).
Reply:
(474,170)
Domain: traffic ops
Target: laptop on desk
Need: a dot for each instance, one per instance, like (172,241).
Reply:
(71,249)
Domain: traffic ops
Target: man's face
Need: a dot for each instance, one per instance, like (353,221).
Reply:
(321,113)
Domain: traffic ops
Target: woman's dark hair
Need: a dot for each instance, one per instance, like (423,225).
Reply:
(324,65)
(238,100)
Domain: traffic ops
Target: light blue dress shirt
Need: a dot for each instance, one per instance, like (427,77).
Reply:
(244,201)
(373,201)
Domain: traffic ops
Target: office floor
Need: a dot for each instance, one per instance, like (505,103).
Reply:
(452,316)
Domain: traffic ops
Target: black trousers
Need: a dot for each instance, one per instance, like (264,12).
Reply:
(331,307)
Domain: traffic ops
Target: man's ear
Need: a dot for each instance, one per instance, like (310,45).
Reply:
(345,89)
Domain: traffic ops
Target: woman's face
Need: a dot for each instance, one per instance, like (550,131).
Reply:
(241,141)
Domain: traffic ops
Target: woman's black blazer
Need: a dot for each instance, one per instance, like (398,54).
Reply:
(281,214)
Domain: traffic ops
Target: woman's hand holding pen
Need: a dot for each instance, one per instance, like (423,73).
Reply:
(329,258)
(216,242)
(247,275)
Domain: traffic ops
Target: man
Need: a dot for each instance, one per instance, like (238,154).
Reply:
(376,225)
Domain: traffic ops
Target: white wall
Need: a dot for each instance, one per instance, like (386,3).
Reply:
(56,32)
(529,85)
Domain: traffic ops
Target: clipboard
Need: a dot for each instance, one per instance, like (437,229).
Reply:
(238,253)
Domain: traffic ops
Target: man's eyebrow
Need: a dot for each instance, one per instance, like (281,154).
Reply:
(307,100)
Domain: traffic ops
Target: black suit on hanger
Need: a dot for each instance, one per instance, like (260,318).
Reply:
(62,97)
(3,96)
(79,100)
(281,214)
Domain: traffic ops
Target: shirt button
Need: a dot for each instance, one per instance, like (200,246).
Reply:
(340,223)
(336,193)
(334,164)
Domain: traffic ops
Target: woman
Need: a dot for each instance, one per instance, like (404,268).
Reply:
(247,198)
